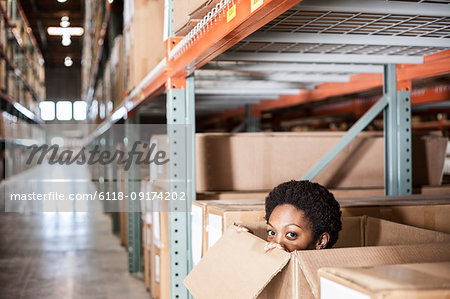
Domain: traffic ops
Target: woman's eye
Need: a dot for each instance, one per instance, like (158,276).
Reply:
(291,235)
(271,233)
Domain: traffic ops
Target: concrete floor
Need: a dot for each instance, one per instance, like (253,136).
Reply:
(63,255)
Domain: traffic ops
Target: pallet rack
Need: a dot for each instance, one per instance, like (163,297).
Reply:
(314,41)
(22,62)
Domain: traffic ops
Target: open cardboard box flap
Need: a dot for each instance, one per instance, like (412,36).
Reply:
(235,267)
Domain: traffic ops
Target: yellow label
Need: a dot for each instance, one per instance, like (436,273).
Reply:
(231,13)
(255,4)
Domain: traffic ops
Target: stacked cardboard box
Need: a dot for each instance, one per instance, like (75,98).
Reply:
(210,218)
(143,38)
(187,13)
(233,161)
(117,71)
(424,211)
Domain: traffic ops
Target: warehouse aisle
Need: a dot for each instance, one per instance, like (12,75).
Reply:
(63,255)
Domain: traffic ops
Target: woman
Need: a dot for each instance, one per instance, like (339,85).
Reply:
(301,215)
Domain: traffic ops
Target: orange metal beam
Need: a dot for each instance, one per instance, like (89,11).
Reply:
(221,33)
(434,65)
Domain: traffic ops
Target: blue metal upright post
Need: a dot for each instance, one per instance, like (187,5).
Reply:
(397,135)
(133,215)
(181,129)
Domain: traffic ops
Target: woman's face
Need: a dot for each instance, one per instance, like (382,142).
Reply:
(289,227)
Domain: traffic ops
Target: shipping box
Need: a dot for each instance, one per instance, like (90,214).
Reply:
(238,267)
(261,161)
(117,71)
(427,280)
(146,242)
(211,217)
(144,39)
(182,22)
(424,211)
(160,256)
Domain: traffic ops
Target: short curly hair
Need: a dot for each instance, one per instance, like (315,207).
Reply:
(317,203)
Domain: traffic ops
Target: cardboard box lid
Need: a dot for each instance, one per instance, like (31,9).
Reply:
(310,261)
(424,276)
(240,260)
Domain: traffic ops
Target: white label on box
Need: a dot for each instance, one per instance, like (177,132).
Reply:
(333,290)
(197,232)
(157,278)
(156,230)
(214,229)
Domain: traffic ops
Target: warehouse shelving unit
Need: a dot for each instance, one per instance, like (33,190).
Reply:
(22,86)
(324,49)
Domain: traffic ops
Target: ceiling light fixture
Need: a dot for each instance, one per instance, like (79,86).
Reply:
(66,41)
(73,31)
(68,61)
(62,1)
(64,22)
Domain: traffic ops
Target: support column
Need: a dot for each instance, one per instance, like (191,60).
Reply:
(397,135)
(134,215)
(180,131)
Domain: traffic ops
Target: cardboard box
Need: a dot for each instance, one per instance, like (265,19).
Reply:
(147,243)
(117,71)
(200,220)
(197,9)
(427,280)
(160,256)
(238,267)
(423,211)
(429,169)
(227,161)
(144,40)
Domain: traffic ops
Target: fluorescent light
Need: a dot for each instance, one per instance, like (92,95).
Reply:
(47,110)
(68,61)
(73,31)
(79,110)
(64,22)
(64,110)
(66,40)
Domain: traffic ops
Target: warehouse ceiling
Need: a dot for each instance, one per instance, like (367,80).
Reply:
(42,14)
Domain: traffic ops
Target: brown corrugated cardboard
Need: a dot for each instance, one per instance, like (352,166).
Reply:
(182,22)
(146,245)
(237,266)
(160,256)
(427,280)
(144,43)
(197,9)
(117,71)
(424,211)
(430,168)
(200,221)
(288,156)
(220,216)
